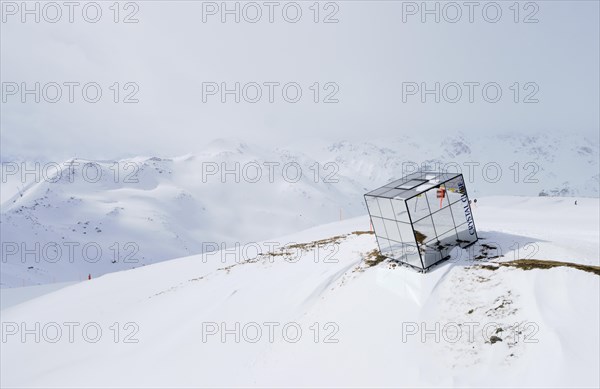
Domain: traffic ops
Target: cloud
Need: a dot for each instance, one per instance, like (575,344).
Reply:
(353,75)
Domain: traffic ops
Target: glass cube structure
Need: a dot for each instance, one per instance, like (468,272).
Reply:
(421,217)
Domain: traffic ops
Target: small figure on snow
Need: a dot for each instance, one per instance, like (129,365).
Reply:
(575,202)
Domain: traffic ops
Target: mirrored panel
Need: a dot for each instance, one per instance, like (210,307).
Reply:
(378,191)
(373,206)
(407,234)
(392,193)
(443,221)
(379,227)
(384,247)
(424,231)
(460,211)
(418,207)
(399,249)
(455,189)
(466,234)
(446,242)
(391,227)
(385,205)
(400,210)
(433,198)
(442,196)
(409,254)
(411,184)
(430,255)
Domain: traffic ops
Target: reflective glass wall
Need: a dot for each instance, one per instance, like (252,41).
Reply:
(422,229)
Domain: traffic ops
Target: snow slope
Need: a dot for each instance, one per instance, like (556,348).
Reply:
(166,210)
(163,208)
(14,296)
(369,318)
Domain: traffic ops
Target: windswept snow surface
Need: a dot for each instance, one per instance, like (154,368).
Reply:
(205,320)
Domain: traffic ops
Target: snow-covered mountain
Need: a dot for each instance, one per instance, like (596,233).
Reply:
(158,209)
(94,217)
(566,165)
(518,309)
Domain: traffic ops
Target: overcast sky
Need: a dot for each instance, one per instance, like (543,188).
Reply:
(374,62)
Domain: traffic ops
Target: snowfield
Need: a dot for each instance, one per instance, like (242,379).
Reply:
(319,308)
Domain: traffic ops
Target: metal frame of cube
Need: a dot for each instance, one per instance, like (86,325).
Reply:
(418,219)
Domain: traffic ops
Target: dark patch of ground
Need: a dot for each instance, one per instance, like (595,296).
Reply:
(530,264)
(374,258)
